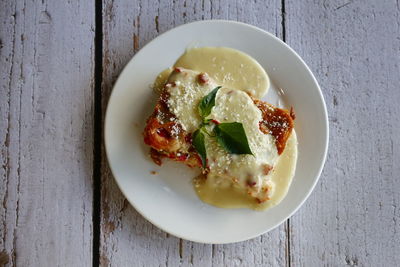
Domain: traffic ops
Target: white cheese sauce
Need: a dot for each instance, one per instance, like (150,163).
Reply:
(185,96)
(228,67)
(241,170)
(230,195)
(227,183)
(161,79)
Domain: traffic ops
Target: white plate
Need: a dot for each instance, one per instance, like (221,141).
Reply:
(167,199)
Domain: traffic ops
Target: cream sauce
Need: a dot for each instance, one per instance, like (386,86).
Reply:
(236,106)
(228,67)
(231,69)
(232,196)
(161,80)
(185,96)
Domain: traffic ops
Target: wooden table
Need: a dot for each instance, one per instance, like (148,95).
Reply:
(59,203)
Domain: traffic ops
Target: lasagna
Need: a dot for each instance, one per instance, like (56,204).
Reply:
(170,129)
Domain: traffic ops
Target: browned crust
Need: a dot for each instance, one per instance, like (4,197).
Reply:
(165,135)
(276,121)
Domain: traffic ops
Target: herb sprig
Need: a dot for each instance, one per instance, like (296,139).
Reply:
(230,135)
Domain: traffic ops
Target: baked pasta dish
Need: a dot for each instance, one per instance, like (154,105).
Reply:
(209,116)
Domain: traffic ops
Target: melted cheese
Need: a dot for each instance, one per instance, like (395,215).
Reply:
(231,196)
(228,67)
(185,96)
(227,183)
(230,106)
(237,106)
(161,79)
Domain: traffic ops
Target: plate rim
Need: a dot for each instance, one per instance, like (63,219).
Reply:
(325,116)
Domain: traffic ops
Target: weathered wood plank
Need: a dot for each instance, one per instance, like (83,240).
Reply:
(353,216)
(46,132)
(126,237)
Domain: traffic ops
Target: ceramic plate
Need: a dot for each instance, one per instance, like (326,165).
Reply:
(167,198)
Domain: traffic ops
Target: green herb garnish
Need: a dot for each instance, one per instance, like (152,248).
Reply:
(198,143)
(207,103)
(231,136)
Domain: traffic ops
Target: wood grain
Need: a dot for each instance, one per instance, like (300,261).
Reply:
(353,216)
(47,80)
(125,236)
(46,132)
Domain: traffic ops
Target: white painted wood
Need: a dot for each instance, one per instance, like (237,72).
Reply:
(46,132)
(127,238)
(353,216)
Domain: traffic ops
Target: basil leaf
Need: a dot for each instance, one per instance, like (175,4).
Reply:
(199,145)
(207,103)
(232,137)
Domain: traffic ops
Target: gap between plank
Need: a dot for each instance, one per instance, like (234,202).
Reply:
(283,14)
(97,134)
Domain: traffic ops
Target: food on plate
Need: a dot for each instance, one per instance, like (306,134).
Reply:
(210,117)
